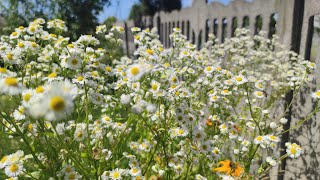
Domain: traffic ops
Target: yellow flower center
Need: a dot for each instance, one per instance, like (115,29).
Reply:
(174,79)
(14,168)
(108,69)
(34,45)
(20,45)
(27,97)
(259,93)
(293,151)
(180,131)
(21,110)
(154,87)
(4,159)
(239,79)
(68,169)
(149,51)
(94,73)
(70,46)
(273,137)
(116,174)
(135,170)
(52,75)
(30,127)
(57,103)
(72,176)
(74,62)
(107,118)
(79,135)
(198,135)
(32,29)
(3,70)
(137,37)
(317,93)
(166,64)
(143,145)
(14,34)
(80,78)
(39,89)
(11,81)
(9,56)
(134,71)
(259,138)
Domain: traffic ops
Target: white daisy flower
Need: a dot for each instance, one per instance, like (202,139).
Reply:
(155,86)
(259,140)
(259,85)
(283,120)
(14,35)
(135,29)
(116,174)
(271,161)
(12,57)
(135,171)
(174,79)
(240,79)
(19,114)
(10,85)
(135,86)
(56,102)
(74,62)
(273,138)
(96,98)
(316,95)
(81,132)
(215,151)
(293,150)
(259,94)
(13,170)
(3,161)
(135,72)
(223,128)
(145,146)
(79,79)
(72,176)
(125,99)
(6,73)
(225,91)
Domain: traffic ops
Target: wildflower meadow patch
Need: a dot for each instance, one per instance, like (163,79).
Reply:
(75,112)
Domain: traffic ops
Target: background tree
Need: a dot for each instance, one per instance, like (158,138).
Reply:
(150,7)
(153,6)
(136,13)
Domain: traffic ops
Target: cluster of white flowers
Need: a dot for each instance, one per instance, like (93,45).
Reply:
(13,164)
(166,113)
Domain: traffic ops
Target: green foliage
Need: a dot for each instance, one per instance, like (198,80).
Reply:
(150,7)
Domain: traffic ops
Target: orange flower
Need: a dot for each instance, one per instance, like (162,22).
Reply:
(229,168)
